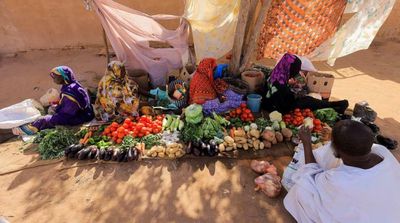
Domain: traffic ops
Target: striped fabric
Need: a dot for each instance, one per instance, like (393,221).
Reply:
(298,26)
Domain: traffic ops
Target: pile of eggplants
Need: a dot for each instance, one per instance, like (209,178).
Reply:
(202,148)
(78,151)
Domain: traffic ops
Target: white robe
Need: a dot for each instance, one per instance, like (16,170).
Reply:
(345,193)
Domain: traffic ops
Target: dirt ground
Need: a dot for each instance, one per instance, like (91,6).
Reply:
(191,190)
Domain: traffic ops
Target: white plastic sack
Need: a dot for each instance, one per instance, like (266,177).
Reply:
(19,114)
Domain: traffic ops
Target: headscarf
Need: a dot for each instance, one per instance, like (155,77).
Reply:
(202,83)
(117,94)
(289,66)
(71,87)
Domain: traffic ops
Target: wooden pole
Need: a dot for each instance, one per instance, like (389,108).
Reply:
(250,23)
(248,51)
(106,45)
(234,64)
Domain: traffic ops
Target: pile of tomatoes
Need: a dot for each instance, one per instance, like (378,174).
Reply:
(137,128)
(297,117)
(242,112)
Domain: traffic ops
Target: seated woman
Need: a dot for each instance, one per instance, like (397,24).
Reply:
(361,187)
(117,96)
(74,107)
(280,95)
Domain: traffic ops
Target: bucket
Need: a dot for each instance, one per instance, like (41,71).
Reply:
(253,78)
(254,102)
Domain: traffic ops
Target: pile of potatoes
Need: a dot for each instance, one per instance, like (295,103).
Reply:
(172,151)
(271,137)
(228,144)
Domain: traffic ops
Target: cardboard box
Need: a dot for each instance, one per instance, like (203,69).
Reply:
(320,83)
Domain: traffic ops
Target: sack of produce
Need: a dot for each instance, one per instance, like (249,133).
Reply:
(270,184)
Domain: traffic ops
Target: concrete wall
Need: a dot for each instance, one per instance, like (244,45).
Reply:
(44,24)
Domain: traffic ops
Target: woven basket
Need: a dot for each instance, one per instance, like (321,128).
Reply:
(298,26)
(237,85)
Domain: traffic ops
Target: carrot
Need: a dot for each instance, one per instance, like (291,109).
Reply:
(232,132)
(86,138)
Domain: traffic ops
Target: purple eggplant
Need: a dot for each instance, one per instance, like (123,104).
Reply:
(83,154)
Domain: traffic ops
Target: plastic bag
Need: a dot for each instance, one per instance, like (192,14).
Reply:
(19,114)
(270,184)
(263,167)
(52,95)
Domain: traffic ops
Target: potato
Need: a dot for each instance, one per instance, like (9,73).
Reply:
(255,133)
(240,140)
(261,145)
(229,148)
(256,144)
(250,141)
(274,141)
(154,154)
(228,139)
(245,146)
(161,155)
(267,144)
(279,136)
(172,156)
(238,145)
(149,152)
(234,146)
(179,153)
(239,133)
(221,147)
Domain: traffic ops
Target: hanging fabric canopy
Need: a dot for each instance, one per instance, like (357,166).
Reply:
(129,32)
(308,27)
(358,32)
(213,25)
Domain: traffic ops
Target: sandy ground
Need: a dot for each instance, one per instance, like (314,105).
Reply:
(192,190)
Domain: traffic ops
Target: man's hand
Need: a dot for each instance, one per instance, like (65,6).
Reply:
(305,136)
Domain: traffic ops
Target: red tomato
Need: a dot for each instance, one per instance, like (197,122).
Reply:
(247,111)
(114,139)
(125,126)
(317,122)
(243,105)
(140,135)
(297,110)
(250,115)
(140,125)
(126,132)
(119,140)
(244,116)
(121,135)
(127,120)
(147,133)
(238,111)
(159,118)
(114,124)
(307,110)
(114,133)
(107,130)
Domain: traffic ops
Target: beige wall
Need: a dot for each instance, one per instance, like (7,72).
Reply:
(44,24)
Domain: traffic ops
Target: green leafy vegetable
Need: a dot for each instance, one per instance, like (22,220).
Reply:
(151,140)
(191,132)
(328,115)
(53,144)
(222,121)
(210,128)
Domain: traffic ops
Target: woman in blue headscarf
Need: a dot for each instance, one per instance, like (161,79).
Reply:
(74,107)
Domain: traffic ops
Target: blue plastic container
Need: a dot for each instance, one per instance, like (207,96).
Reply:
(254,102)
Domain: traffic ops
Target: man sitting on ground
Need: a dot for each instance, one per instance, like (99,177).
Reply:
(363,188)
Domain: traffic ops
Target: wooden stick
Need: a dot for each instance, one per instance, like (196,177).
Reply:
(250,23)
(106,45)
(31,167)
(255,34)
(234,63)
